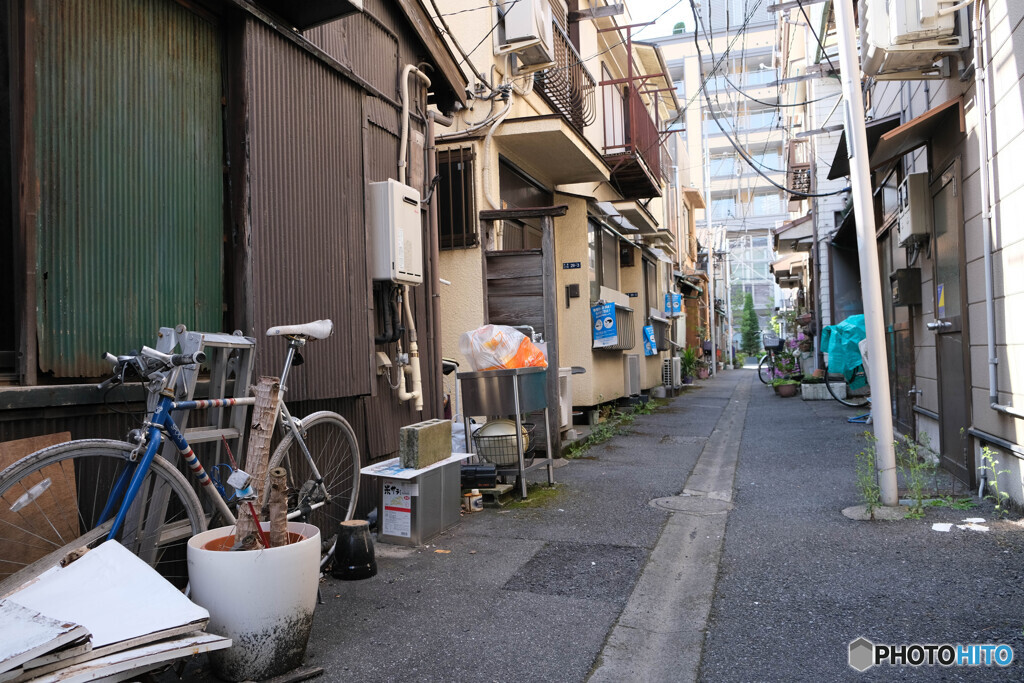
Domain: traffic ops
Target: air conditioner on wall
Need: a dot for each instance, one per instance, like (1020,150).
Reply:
(671,372)
(632,373)
(528,34)
(910,39)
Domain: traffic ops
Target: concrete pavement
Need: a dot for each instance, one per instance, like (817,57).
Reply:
(706,543)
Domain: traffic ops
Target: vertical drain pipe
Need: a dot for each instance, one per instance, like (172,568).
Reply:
(987,214)
(413,369)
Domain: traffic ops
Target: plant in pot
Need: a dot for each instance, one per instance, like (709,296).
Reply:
(703,369)
(785,387)
(688,364)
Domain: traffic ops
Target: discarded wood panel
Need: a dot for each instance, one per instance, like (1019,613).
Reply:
(22,547)
(129,664)
(25,635)
(101,591)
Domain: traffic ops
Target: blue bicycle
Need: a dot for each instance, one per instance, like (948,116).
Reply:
(83,492)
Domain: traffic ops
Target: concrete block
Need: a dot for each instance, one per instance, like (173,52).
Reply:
(424,443)
(819,392)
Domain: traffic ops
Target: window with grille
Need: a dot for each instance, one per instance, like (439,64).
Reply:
(456,212)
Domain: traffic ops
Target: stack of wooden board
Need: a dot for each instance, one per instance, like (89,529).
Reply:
(108,614)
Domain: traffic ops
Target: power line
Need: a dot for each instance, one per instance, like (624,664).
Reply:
(739,150)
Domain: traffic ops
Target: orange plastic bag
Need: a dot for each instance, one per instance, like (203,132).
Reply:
(499,347)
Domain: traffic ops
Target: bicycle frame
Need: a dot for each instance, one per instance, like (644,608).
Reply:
(130,480)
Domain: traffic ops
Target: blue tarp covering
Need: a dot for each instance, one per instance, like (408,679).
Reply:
(840,342)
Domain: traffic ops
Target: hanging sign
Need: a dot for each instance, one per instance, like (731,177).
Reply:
(677,303)
(605,331)
(668,302)
(650,347)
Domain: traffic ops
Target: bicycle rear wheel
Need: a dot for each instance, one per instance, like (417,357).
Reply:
(335,452)
(855,398)
(764,369)
(51,503)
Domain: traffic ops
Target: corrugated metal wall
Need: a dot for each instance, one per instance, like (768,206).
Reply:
(128,136)
(306,213)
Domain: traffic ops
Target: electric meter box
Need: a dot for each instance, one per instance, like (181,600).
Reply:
(906,287)
(915,209)
(396,232)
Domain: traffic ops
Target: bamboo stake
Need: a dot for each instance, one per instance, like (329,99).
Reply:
(278,507)
(257,457)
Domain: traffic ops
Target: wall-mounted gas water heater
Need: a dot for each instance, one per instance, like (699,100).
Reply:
(396,232)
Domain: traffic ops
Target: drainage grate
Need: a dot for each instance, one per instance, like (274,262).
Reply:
(579,570)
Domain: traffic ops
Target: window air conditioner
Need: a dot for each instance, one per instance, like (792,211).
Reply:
(528,34)
(914,209)
(904,39)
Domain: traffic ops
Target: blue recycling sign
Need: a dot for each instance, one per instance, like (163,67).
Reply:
(606,332)
(650,347)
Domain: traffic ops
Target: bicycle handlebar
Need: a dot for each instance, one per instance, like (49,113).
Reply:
(143,367)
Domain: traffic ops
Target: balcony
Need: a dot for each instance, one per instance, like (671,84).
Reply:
(634,153)
(568,87)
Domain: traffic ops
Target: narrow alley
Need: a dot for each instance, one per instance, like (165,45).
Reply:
(597,583)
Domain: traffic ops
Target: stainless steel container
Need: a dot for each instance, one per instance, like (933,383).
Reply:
(494,392)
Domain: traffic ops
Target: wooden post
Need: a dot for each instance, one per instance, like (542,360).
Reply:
(278,507)
(257,457)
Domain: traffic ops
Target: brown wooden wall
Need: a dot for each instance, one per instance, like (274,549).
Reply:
(515,288)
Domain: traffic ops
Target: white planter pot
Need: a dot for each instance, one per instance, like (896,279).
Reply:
(262,599)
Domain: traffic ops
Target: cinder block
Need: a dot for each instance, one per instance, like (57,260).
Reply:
(424,443)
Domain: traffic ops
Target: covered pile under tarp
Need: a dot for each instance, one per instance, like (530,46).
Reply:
(840,343)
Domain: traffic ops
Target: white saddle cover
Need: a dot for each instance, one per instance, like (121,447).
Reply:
(318,329)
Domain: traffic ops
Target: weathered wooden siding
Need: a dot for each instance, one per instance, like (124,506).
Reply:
(515,289)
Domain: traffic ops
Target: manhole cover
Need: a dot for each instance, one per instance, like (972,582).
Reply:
(693,505)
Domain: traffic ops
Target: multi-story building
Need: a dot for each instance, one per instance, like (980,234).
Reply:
(568,113)
(726,81)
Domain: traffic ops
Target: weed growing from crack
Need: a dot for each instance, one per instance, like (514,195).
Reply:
(867,476)
(989,469)
(917,471)
(613,422)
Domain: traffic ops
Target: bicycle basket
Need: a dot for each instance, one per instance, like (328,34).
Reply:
(772,342)
(498,444)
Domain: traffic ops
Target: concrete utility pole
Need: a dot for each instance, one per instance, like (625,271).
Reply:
(871,285)
(711,249)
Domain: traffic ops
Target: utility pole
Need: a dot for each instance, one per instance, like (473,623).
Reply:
(711,249)
(871,285)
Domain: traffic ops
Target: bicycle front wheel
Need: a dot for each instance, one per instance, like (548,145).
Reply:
(51,502)
(764,369)
(333,448)
(840,389)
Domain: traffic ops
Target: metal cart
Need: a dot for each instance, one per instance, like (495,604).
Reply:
(501,393)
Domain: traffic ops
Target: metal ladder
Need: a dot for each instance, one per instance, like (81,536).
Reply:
(230,358)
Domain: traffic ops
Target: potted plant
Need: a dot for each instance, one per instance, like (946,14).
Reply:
(785,387)
(688,364)
(703,369)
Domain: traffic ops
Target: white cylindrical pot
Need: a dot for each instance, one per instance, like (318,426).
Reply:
(262,599)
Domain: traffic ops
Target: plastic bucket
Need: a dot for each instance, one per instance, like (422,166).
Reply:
(262,599)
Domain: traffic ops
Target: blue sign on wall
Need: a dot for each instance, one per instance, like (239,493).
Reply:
(605,330)
(668,302)
(677,304)
(650,348)
(570,265)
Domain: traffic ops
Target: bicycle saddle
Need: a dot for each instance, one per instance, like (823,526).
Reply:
(318,329)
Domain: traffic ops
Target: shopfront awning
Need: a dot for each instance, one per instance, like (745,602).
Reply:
(875,130)
(947,118)
(692,286)
(659,254)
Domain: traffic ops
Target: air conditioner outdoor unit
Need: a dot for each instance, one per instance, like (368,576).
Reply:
(631,363)
(528,34)
(671,373)
(914,215)
(904,39)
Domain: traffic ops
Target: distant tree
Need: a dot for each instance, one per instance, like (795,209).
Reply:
(750,328)
(679,28)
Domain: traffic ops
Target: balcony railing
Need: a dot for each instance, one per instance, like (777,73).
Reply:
(636,157)
(568,86)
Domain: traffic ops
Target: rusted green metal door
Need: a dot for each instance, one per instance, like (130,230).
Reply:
(128,163)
